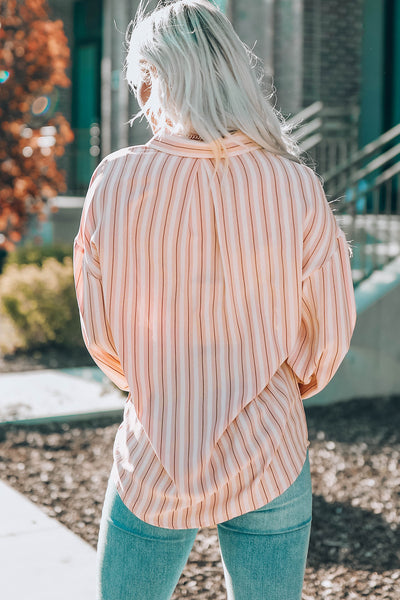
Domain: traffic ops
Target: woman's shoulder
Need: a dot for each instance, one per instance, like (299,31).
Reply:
(306,185)
(112,162)
(292,167)
(125,152)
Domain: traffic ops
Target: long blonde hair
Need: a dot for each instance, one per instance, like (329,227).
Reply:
(202,77)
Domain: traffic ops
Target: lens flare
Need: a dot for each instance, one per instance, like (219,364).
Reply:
(4,75)
(40,105)
(27,151)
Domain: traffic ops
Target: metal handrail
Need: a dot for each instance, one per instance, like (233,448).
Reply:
(311,142)
(305,113)
(366,180)
(388,174)
(366,151)
(317,123)
(376,163)
(375,184)
(306,132)
(308,128)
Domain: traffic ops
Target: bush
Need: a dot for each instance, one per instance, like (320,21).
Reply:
(35,255)
(41,304)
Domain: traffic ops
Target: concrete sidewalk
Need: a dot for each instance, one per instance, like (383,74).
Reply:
(40,558)
(40,395)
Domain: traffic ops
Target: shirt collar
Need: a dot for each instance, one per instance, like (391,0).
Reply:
(238,143)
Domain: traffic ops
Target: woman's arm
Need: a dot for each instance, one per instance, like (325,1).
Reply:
(328,310)
(95,326)
(327,324)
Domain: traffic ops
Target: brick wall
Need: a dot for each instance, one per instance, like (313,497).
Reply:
(332,51)
(312,48)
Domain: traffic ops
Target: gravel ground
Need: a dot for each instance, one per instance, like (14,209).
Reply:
(354,548)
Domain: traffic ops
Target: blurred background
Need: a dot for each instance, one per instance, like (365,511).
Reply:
(333,68)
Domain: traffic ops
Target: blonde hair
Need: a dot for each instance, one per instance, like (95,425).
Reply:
(202,77)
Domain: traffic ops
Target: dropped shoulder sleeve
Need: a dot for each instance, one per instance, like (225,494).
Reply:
(328,312)
(95,326)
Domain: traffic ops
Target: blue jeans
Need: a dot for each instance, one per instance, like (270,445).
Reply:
(264,551)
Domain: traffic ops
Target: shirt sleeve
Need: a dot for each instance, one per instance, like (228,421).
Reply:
(328,310)
(95,325)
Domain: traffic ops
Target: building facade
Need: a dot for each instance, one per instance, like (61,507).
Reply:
(345,53)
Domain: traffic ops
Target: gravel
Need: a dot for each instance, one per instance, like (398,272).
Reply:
(354,454)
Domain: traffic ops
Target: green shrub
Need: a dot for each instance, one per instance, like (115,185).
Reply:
(35,255)
(41,304)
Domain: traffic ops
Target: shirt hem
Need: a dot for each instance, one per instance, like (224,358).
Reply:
(207,523)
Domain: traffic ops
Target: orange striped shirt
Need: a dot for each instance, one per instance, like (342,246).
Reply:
(218,303)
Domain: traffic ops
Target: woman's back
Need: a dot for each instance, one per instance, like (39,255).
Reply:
(226,299)
(214,285)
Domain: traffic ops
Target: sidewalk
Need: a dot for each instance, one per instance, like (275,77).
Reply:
(58,394)
(40,558)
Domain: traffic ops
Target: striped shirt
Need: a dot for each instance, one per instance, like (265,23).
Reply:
(219,299)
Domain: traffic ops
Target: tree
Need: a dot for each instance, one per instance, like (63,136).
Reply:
(34,55)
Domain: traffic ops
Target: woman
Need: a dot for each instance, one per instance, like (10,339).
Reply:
(214,286)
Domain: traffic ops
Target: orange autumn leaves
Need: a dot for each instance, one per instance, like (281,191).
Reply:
(34,56)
